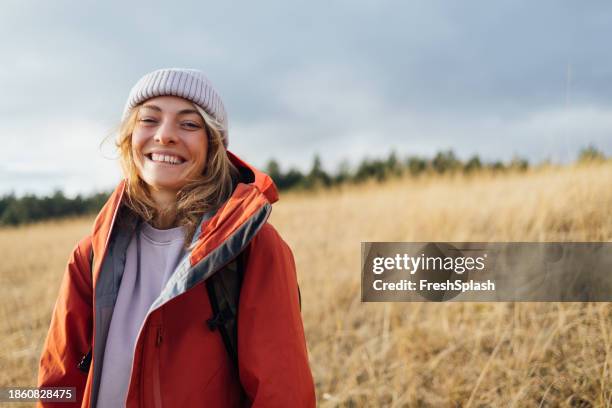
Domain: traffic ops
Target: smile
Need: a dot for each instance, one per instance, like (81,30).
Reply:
(165,159)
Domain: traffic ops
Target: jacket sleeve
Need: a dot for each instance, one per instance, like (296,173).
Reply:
(272,354)
(68,338)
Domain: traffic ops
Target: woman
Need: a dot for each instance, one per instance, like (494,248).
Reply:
(156,320)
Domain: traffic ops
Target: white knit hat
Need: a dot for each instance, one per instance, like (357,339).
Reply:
(190,84)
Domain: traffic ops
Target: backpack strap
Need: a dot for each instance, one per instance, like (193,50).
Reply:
(223,289)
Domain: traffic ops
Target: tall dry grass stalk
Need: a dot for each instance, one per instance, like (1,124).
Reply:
(413,354)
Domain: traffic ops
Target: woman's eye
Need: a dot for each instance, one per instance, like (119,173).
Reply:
(191,125)
(148,120)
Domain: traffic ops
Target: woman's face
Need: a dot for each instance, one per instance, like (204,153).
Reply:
(169,143)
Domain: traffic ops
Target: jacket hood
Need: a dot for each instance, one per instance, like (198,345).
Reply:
(260,180)
(254,194)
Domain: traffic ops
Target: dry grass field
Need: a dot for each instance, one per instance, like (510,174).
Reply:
(393,354)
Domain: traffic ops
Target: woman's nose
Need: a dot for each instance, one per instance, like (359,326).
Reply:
(165,134)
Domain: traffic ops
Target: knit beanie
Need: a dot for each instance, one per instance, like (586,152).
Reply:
(189,84)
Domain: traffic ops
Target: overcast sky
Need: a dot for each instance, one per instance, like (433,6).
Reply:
(344,79)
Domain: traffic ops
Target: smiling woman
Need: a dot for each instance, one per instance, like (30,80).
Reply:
(183,294)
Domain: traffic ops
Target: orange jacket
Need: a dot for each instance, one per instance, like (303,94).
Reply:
(178,361)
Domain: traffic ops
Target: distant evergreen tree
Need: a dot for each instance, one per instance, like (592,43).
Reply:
(473,164)
(445,161)
(518,163)
(497,166)
(393,167)
(95,202)
(14,214)
(5,202)
(591,154)
(273,170)
(371,169)
(317,176)
(416,165)
(344,173)
(293,178)
(283,181)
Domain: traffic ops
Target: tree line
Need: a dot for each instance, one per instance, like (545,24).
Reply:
(29,208)
(392,166)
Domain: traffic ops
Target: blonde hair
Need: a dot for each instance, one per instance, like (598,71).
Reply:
(195,198)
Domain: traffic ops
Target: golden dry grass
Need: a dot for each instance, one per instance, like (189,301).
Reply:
(414,354)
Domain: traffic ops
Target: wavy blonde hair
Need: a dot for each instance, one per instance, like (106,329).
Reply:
(198,196)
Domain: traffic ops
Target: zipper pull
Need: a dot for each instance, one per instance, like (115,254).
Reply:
(85,362)
(159,336)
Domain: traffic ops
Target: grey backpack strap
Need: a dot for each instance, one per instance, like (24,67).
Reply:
(223,289)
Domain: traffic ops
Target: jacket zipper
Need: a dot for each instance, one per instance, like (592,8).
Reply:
(158,340)
(156,381)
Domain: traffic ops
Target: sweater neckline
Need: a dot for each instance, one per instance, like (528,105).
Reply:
(162,236)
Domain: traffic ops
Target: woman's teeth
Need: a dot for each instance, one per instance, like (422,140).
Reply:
(162,158)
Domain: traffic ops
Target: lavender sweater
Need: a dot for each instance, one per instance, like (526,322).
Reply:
(160,252)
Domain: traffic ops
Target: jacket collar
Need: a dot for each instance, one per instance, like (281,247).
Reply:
(248,199)
(261,181)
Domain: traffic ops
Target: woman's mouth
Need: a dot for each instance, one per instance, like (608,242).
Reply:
(165,159)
